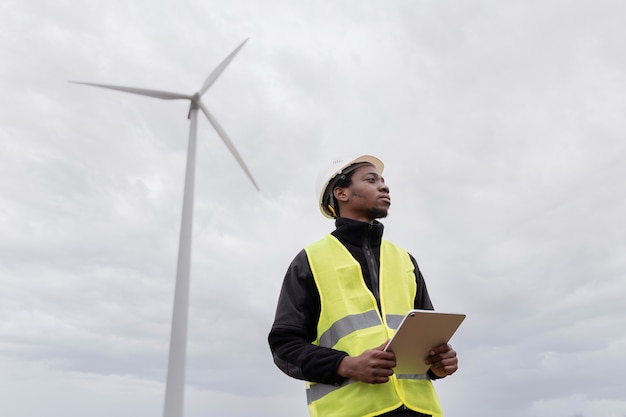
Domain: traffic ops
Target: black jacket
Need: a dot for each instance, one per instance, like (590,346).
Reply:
(298,309)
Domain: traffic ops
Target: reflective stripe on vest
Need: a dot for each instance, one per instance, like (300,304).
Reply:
(351,322)
(346,325)
(316,391)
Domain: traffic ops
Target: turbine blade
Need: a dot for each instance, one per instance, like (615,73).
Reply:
(227,141)
(220,68)
(166,95)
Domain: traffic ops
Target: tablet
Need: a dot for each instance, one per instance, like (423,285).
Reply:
(417,334)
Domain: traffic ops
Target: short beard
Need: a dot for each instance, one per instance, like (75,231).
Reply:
(374,212)
(377,213)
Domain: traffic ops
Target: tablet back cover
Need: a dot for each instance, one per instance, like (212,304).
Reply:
(418,333)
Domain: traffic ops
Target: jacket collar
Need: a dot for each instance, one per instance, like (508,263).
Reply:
(353,231)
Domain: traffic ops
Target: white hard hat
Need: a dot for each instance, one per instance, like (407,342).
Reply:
(336,167)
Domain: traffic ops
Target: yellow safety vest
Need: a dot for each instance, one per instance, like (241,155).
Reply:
(350,321)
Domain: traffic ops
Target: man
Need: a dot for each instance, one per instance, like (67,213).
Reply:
(340,301)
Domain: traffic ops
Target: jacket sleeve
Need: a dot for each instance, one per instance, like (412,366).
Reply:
(422,299)
(295,328)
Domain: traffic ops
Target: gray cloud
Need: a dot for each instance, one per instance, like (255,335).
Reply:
(501,128)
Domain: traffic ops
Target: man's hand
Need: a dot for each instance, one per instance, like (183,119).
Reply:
(373,366)
(443,360)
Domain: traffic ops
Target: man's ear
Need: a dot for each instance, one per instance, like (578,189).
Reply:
(341,193)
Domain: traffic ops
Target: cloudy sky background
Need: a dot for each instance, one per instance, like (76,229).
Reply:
(502,128)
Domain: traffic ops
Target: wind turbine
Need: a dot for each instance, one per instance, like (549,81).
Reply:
(175,384)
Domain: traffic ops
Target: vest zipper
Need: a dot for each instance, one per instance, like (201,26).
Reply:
(372,268)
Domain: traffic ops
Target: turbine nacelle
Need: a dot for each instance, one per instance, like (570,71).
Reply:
(194,104)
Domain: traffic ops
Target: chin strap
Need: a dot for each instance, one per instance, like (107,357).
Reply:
(332,210)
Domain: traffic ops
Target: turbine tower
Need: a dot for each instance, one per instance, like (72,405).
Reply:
(175,384)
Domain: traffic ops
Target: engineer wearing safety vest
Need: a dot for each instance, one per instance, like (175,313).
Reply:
(342,298)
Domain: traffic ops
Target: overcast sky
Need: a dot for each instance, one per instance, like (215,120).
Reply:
(502,126)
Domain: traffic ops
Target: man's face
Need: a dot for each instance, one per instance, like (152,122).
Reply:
(367,198)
